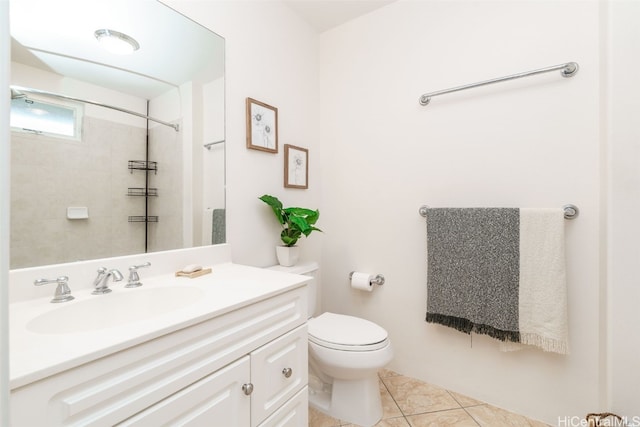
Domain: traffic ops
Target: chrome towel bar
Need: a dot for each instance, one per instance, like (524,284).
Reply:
(570,211)
(568,70)
(211,144)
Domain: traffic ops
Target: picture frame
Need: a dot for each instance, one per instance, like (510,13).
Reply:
(262,126)
(296,167)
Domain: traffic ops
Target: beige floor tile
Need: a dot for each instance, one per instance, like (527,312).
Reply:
(318,419)
(389,407)
(426,405)
(389,422)
(384,372)
(415,397)
(490,416)
(450,418)
(465,401)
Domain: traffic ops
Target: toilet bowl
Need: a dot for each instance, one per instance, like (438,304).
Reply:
(345,354)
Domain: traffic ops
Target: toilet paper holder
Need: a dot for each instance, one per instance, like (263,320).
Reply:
(378,280)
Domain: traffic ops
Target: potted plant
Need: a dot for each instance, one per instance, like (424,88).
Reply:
(295,222)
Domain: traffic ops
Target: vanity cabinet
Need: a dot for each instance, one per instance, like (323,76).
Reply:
(214,400)
(279,370)
(245,368)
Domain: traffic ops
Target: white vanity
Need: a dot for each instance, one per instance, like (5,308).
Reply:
(224,349)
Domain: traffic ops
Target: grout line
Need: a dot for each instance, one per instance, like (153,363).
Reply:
(393,398)
(460,406)
(463,406)
(454,398)
(471,416)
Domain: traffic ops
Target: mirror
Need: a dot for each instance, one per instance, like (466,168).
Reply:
(125,184)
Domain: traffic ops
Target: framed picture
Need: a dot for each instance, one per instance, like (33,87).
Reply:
(262,126)
(296,167)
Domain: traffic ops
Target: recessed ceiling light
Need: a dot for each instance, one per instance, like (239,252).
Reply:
(116,42)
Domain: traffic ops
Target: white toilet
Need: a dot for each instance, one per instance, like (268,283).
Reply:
(345,354)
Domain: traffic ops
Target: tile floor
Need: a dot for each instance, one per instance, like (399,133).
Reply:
(408,402)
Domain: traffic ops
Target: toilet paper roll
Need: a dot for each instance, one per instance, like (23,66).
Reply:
(361,281)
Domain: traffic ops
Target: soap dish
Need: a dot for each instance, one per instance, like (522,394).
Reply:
(194,274)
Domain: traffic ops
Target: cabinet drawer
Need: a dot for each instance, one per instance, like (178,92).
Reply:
(215,400)
(278,371)
(294,413)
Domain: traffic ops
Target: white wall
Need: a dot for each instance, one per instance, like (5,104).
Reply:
(624,204)
(213,159)
(4,211)
(527,143)
(271,56)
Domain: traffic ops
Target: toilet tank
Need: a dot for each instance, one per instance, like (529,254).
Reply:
(309,268)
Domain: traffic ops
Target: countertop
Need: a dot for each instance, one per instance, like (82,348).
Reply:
(34,356)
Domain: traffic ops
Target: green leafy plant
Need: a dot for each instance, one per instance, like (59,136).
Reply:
(295,221)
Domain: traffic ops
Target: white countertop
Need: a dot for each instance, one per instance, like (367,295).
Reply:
(34,356)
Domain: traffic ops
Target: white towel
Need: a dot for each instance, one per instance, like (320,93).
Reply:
(543,319)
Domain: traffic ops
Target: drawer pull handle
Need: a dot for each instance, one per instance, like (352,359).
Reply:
(247,388)
(287,372)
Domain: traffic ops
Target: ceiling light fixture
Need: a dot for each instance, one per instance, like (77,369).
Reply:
(116,42)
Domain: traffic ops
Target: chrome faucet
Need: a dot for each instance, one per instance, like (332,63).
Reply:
(63,293)
(134,277)
(101,283)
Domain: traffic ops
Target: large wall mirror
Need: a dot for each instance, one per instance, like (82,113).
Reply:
(113,154)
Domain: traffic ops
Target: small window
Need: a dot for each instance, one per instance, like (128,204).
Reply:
(33,115)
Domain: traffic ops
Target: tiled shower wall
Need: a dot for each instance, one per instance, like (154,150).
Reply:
(166,149)
(49,174)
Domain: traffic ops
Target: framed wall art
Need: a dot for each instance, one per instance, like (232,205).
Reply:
(262,126)
(296,167)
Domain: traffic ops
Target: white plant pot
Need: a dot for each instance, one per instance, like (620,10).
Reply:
(287,255)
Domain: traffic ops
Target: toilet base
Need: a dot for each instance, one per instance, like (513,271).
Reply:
(355,401)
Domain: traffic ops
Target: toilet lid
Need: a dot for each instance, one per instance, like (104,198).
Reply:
(344,332)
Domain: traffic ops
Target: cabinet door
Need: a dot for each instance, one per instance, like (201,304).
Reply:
(215,400)
(294,413)
(278,371)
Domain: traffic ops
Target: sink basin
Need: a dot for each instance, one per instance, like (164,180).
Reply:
(116,308)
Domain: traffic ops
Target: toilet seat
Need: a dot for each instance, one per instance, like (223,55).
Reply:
(347,333)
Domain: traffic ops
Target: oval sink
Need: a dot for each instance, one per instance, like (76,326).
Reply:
(106,311)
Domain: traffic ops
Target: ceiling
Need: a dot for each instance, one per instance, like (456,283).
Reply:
(56,38)
(326,14)
(60,38)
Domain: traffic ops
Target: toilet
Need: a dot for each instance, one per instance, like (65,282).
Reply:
(345,354)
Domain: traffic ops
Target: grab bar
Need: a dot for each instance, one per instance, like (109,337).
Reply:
(568,70)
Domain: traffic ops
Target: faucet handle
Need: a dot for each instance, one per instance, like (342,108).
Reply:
(63,292)
(134,277)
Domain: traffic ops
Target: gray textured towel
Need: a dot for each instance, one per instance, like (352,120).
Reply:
(218,234)
(473,269)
